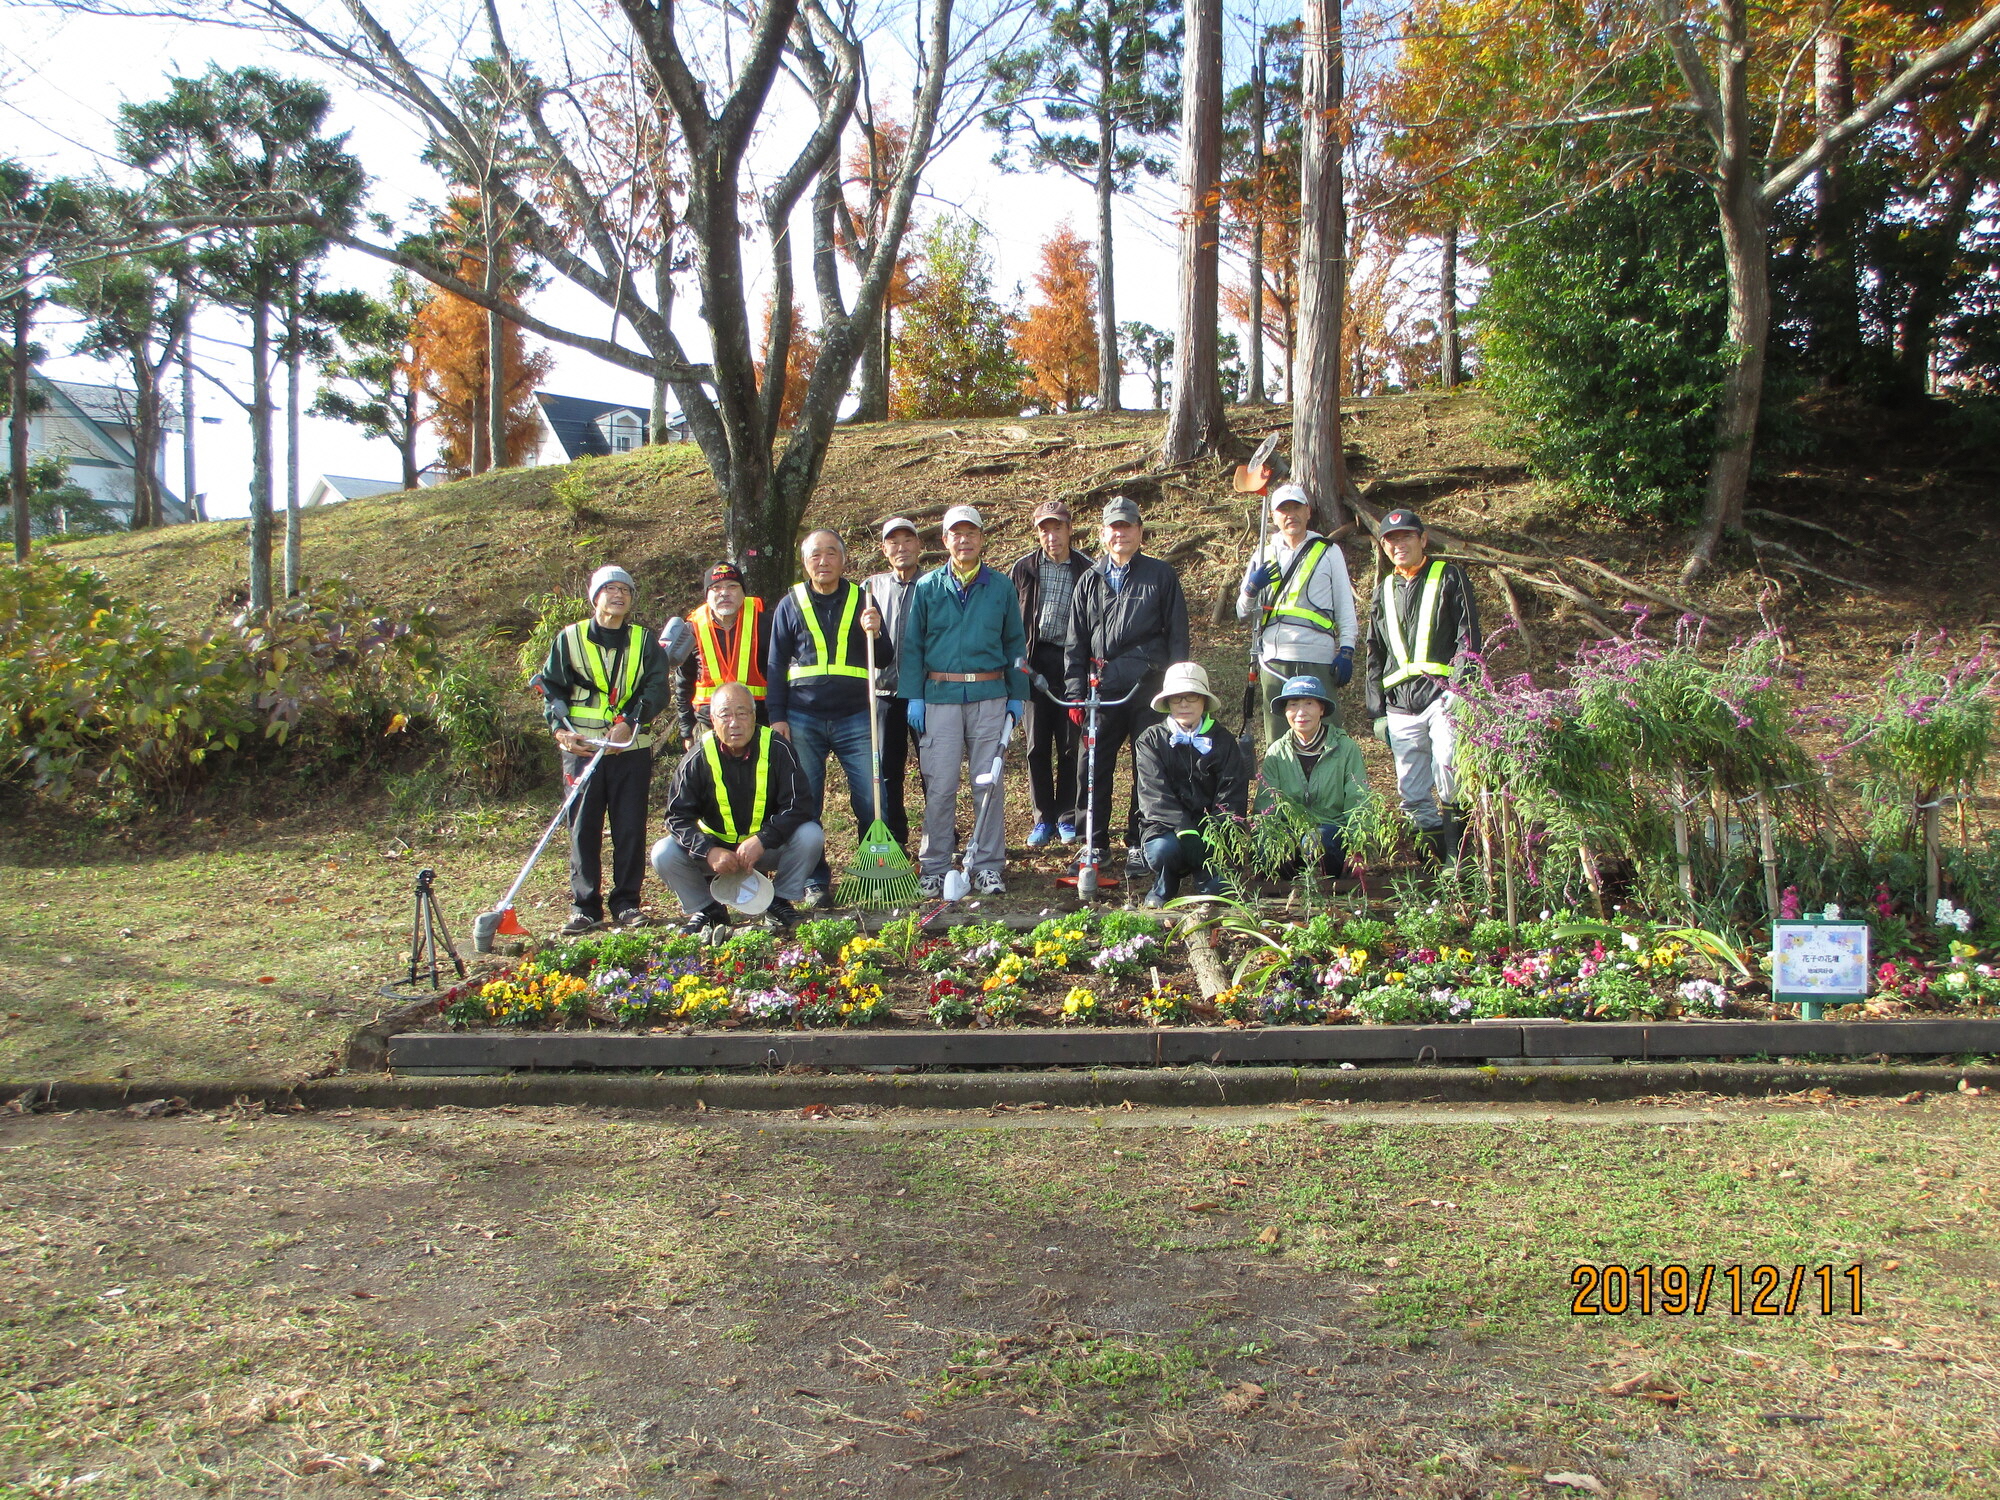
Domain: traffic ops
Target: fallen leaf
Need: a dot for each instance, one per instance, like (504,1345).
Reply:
(1200,1208)
(1586,1482)
(1891,1265)
(1912,1098)
(1268,1235)
(267,979)
(1966,1086)
(1244,1397)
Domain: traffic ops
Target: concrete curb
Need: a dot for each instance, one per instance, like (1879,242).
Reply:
(1100,1089)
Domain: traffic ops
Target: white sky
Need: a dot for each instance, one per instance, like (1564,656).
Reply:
(62,78)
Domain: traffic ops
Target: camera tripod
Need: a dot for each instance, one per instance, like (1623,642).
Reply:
(427,931)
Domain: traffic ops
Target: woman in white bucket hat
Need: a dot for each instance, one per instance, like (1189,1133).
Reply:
(1189,768)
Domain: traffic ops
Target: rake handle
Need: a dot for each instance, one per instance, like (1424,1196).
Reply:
(874,728)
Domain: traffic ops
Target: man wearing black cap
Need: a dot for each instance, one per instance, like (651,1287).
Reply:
(1046,579)
(731,640)
(1422,622)
(1129,622)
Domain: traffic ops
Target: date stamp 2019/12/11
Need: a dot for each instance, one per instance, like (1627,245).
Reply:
(1678,1291)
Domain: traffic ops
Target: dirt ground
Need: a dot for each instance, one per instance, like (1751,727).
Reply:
(531,1303)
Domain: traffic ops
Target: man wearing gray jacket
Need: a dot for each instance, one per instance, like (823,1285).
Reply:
(1300,583)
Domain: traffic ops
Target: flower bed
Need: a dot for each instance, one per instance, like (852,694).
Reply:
(1429,966)
(1084,968)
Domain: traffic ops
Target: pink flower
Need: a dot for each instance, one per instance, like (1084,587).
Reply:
(1788,904)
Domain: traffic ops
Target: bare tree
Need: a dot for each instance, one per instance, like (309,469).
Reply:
(1745,193)
(1317,461)
(1195,422)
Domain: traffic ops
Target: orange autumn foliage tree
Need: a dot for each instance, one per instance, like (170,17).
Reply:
(448,340)
(801,355)
(1058,338)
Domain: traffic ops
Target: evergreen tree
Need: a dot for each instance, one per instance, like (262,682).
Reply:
(954,351)
(375,357)
(1058,339)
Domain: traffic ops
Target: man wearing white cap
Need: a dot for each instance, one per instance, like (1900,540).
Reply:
(599,672)
(890,593)
(1189,769)
(1300,582)
(961,672)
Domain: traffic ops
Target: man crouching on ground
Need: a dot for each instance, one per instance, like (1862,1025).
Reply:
(738,803)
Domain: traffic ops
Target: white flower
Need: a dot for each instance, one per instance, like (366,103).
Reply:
(1952,916)
(1703,992)
(1832,912)
(1631,940)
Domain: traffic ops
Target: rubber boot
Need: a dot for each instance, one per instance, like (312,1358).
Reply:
(1443,841)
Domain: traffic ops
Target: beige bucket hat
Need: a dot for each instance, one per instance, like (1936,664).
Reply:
(1185,677)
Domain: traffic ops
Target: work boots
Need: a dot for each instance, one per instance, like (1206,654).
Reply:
(1442,842)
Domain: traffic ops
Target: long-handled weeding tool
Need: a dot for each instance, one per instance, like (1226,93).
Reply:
(501,921)
(1087,879)
(1254,478)
(881,876)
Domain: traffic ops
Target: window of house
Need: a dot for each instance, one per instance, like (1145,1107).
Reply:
(624,432)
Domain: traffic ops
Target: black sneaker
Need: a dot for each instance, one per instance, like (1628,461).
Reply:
(1135,862)
(781,915)
(712,915)
(578,924)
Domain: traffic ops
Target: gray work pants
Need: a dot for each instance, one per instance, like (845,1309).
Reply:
(1424,745)
(788,865)
(957,735)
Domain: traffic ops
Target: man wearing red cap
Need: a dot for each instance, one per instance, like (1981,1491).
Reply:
(731,640)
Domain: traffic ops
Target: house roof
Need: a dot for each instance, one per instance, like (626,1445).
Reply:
(113,404)
(573,419)
(347,487)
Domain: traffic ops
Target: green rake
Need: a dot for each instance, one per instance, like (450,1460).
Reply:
(880,877)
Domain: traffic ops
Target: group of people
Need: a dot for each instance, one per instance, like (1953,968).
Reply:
(949,663)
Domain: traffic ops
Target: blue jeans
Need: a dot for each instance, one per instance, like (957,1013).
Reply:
(814,738)
(1334,851)
(1171,859)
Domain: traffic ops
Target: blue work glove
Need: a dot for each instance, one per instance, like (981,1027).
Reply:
(1259,578)
(916,715)
(1343,666)
(1017,710)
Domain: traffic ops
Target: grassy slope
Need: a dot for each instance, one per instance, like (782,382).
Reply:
(308,887)
(557,1302)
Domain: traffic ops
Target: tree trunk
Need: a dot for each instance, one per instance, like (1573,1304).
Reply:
(1746,255)
(1195,423)
(1927,275)
(195,508)
(496,365)
(293,359)
(407,445)
(145,445)
(1317,461)
(871,397)
(18,362)
(1451,358)
(1257,397)
(1110,368)
(1836,311)
(260,454)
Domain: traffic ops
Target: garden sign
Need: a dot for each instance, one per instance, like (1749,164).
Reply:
(1815,960)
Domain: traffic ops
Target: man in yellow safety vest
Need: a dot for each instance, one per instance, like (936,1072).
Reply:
(601,671)
(731,641)
(1300,582)
(819,693)
(738,803)
(1422,623)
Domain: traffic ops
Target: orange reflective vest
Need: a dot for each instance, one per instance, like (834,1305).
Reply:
(726,656)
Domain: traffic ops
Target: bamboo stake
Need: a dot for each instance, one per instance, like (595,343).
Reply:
(1486,844)
(1767,845)
(1930,811)
(1679,794)
(1507,854)
(1588,857)
(1719,800)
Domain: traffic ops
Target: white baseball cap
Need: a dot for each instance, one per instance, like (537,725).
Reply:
(901,523)
(1290,494)
(962,513)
